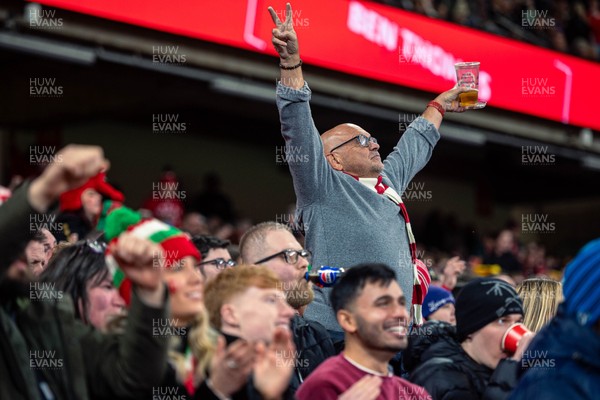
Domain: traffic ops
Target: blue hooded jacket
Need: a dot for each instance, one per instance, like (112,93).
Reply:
(562,362)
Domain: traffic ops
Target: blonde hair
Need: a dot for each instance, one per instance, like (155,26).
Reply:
(235,281)
(202,340)
(541,297)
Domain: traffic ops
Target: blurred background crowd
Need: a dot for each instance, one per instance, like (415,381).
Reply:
(575,24)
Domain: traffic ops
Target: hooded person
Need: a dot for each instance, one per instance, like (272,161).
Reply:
(81,208)
(563,361)
(472,364)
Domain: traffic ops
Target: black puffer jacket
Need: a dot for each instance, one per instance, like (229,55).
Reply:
(421,338)
(448,373)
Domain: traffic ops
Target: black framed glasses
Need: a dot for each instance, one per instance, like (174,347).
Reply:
(363,141)
(220,263)
(290,256)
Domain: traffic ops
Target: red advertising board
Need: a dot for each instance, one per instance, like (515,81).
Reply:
(383,43)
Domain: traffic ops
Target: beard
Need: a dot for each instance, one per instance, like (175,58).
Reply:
(371,337)
(300,295)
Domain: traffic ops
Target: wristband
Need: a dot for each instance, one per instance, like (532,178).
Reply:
(292,67)
(437,106)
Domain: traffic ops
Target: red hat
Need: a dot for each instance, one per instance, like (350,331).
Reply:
(176,244)
(71,200)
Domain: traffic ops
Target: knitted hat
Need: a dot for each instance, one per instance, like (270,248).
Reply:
(436,298)
(71,200)
(176,244)
(581,285)
(482,301)
(108,206)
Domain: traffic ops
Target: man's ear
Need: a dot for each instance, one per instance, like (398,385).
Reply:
(228,316)
(347,321)
(335,163)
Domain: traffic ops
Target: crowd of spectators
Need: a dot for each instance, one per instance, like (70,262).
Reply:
(441,236)
(571,27)
(99,300)
(234,325)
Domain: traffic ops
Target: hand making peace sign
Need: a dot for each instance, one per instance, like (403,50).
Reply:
(284,38)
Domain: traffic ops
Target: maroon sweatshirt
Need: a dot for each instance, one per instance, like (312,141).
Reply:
(336,374)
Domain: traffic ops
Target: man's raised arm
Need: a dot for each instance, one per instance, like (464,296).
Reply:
(285,42)
(303,147)
(415,147)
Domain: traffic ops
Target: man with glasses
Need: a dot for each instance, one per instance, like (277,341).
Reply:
(346,193)
(215,256)
(273,245)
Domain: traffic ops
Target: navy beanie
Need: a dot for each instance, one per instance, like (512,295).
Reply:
(436,298)
(482,301)
(581,285)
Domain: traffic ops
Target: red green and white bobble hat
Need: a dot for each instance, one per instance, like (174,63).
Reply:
(176,244)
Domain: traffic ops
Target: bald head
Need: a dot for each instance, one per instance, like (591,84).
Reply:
(339,134)
(364,162)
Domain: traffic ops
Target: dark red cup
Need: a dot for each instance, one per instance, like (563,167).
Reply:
(512,337)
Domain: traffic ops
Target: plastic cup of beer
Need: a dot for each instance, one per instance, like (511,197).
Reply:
(467,77)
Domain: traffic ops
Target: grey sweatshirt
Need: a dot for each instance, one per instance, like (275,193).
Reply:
(345,222)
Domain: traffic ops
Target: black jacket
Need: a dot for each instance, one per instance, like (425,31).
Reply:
(422,337)
(448,373)
(313,345)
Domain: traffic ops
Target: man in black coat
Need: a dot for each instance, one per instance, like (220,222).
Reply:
(471,364)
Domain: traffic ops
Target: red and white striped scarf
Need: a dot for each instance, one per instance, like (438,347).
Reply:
(421,279)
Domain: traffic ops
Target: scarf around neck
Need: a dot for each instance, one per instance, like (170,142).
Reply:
(421,278)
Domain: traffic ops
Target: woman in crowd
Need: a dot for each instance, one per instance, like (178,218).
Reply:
(195,352)
(541,297)
(80,271)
